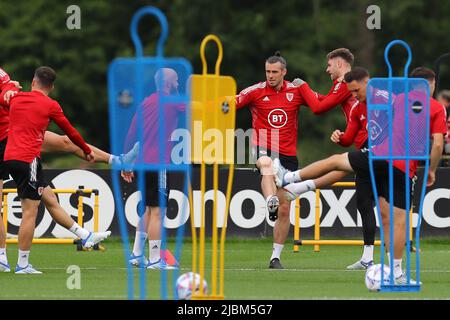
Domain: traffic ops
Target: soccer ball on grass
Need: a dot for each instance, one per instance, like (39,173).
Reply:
(189,283)
(373,277)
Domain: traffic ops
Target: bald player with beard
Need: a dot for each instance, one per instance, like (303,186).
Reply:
(150,224)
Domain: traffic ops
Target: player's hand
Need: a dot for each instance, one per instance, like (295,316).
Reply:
(127,175)
(298,82)
(8,95)
(16,83)
(431,178)
(336,136)
(90,157)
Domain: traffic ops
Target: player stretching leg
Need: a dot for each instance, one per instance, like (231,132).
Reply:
(30,113)
(57,213)
(274,105)
(339,62)
(57,143)
(358,162)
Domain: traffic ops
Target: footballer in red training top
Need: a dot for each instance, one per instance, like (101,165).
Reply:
(274,105)
(30,114)
(274,115)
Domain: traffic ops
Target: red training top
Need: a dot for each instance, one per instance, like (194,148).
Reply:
(152,122)
(5,85)
(338,95)
(437,125)
(30,114)
(274,115)
(356,130)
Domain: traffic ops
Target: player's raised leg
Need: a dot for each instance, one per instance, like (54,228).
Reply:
(58,143)
(329,171)
(60,216)
(337,162)
(268,187)
(295,190)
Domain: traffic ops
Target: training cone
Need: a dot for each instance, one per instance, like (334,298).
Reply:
(168,257)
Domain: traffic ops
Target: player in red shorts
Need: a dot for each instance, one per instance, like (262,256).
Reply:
(30,114)
(274,105)
(358,162)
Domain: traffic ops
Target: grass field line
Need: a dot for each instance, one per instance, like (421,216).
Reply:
(238,269)
(62,297)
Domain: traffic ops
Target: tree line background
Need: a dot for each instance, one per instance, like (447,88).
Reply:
(34,33)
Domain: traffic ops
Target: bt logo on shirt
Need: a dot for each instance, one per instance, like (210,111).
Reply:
(277,118)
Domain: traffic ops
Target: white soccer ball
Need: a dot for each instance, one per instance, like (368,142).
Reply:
(188,283)
(373,277)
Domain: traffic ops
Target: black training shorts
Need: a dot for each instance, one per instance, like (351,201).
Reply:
(28,177)
(4,175)
(359,161)
(289,162)
(156,183)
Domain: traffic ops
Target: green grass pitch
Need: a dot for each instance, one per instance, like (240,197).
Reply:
(307,274)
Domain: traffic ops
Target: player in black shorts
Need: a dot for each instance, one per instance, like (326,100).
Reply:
(359,160)
(290,163)
(356,134)
(156,188)
(29,178)
(30,114)
(150,224)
